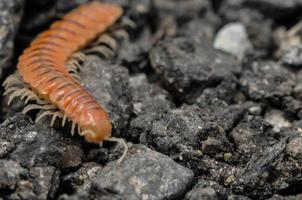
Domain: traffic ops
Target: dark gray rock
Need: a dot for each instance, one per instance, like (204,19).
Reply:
(259,28)
(273,83)
(206,190)
(290,197)
(294,148)
(82,178)
(237,197)
(145,174)
(94,193)
(182,133)
(250,134)
(187,65)
(21,183)
(277,9)
(254,180)
(293,56)
(109,85)
(148,99)
(10,16)
(181,9)
(33,145)
(10,174)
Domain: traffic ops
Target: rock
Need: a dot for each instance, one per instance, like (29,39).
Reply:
(182,10)
(277,119)
(259,28)
(206,190)
(21,183)
(277,9)
(32,145)
(148,98)
(82,178)
(233,39)
(188,65)
(292,56)
(10,174)
(290,197)
(256,175)
(273,83)
(146,174)
(109,85)
(10,17)
(294,148)
(183,132)
(251,135)
(237,197)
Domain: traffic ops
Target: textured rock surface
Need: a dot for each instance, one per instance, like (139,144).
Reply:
(10,17)
(219,127)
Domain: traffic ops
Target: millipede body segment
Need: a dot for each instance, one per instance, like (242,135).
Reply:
(43,66)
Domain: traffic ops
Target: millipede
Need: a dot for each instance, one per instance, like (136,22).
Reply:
(48,70)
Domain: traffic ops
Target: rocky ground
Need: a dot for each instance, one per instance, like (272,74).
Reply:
(208,95)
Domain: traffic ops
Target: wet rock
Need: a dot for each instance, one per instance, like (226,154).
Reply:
(206,190)
(10,17)
(145,174)
(233,39)
(188,65)
(277,119)
(293,56)
(251,135)
(109,85)
(294,148)
(33,145)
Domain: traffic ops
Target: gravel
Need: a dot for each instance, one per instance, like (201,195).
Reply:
(200,123)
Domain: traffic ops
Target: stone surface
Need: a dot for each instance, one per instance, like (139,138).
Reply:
(146,174)
(10,17)
(294,148)
(293,56)
(233,39)
(33,145)
(189,65)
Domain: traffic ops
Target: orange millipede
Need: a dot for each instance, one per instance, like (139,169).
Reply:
(42,66)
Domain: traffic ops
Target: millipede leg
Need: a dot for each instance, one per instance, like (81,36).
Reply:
(121,34)
(108,40)
(123,143)
(13,79)
(104,50)
(73,128)
(36,106)
(79,56)
(127,22)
